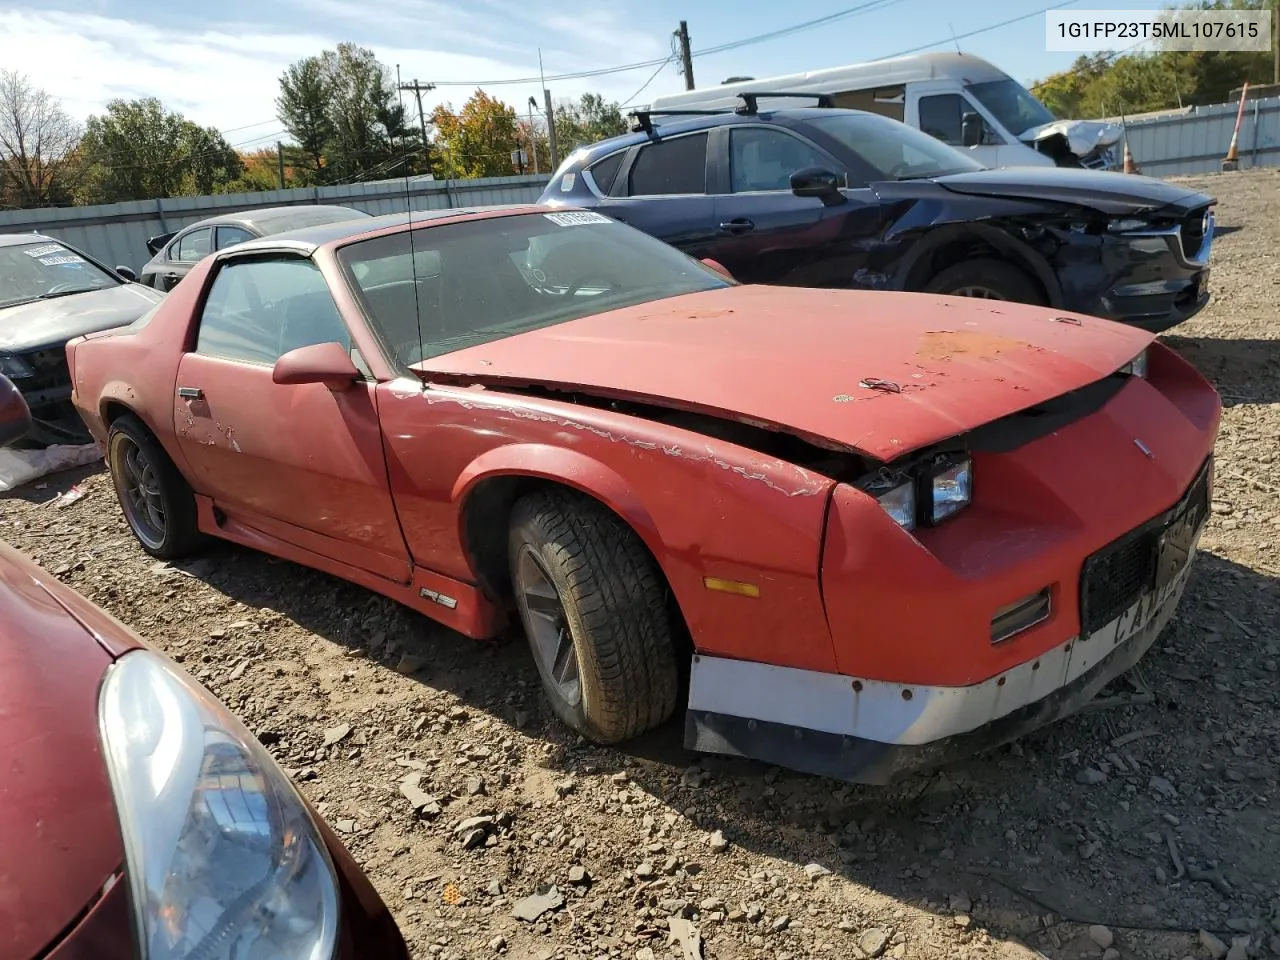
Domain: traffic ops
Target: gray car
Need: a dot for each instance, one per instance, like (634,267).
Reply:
(176,253)
(51,292)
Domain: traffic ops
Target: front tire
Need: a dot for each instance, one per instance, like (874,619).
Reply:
(594,607)
(158,505)
(988,280)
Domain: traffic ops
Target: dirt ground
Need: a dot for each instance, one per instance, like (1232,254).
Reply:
(1146,827)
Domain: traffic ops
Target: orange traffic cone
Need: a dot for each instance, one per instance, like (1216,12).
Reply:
(1232,159)
(1129,165)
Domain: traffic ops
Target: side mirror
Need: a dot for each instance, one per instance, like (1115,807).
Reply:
(15,415)
(327,363)
(127,273)
(972,130)
(718,267)
(818,182)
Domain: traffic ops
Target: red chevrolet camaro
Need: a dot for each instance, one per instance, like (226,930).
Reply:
(876,530)
(138,818)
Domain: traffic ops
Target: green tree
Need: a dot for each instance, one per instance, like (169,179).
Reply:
(343,113)
(588,121)
(303,108)
(478,140)
(138,150)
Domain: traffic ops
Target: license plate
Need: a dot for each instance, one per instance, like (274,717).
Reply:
(1174,551)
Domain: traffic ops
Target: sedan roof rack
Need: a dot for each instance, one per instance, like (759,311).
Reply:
(750,106)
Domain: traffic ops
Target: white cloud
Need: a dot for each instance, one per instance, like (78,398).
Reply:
(228,76)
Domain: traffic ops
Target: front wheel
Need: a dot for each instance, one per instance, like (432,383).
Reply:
(594,607)
(157,502)
(987,280)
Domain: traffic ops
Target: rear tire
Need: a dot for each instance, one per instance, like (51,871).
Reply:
(594,607)
(986,279)
(158,505)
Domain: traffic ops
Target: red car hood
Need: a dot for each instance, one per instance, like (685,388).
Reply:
(59,838)
(801,359)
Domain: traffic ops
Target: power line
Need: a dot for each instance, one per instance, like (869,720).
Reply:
(645,85)
(870,6)
(979,31)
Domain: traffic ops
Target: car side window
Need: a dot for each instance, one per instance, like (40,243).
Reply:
(232,235)
(194,246)
(671,167)
(258,310)
(604,171)
(764,159)
(941,117)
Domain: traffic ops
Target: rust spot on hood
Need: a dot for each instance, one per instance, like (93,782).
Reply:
(949,344)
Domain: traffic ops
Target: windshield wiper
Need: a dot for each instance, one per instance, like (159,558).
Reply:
(65,293)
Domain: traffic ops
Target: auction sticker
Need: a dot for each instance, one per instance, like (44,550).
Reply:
(61,259)
(577,218)
(45,250)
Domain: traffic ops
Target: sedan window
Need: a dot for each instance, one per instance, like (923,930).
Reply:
(671,167)
(232,235)
(44,270)
(258,310)
(487,279)
(761,158)
(194,246)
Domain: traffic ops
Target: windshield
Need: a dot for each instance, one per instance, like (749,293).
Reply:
(890,150)
(1012,105)
(482,280)
(43,270)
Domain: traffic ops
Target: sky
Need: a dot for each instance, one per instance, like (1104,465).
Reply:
(219,65)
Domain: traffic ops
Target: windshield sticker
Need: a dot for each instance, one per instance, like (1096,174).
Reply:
(566,182)
(44,250)
(575,219)
(61,260)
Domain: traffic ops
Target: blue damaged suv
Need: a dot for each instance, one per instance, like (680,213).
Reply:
(827,197)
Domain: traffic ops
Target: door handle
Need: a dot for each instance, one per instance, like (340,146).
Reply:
(191,393)
(737,225)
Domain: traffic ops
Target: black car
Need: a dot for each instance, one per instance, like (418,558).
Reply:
(826,197)
(176,253)
(51,292)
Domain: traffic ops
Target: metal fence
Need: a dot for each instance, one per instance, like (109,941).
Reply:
(1195,140)
(117,233)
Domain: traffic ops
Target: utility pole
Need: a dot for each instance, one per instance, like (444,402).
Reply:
(418,90)
(533,140)
(1275,43)
(280,161)
(686,54)
(551,131)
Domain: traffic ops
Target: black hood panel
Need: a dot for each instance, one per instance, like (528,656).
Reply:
(1117,194)
(44,323)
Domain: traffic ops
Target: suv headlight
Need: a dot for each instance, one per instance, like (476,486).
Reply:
(951,485)
(15,368)
(223,857)
(1137,367)
(1127,226)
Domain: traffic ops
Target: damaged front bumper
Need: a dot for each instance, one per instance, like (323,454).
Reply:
(876,731)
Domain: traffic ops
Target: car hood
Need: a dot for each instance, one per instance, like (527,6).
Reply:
(806,360)
(59,837)
(1083,137)
(43,323)
(1119,194)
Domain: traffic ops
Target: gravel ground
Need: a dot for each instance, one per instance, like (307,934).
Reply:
(1148,827)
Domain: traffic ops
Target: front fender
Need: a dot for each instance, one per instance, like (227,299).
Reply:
(569,467)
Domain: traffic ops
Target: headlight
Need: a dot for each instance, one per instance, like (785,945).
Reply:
(224,859)
(1137,367)
(897,494)
(952,486)
(15,368)
(1127,226)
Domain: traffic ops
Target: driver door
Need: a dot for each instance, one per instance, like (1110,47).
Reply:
(940,113)
(300,462)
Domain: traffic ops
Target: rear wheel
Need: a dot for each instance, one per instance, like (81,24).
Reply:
(594,607)
(157,502)
(986,280)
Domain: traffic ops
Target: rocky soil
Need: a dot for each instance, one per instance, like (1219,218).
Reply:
(1146,827)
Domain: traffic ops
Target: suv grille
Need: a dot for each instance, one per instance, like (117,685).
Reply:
(1119,574)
